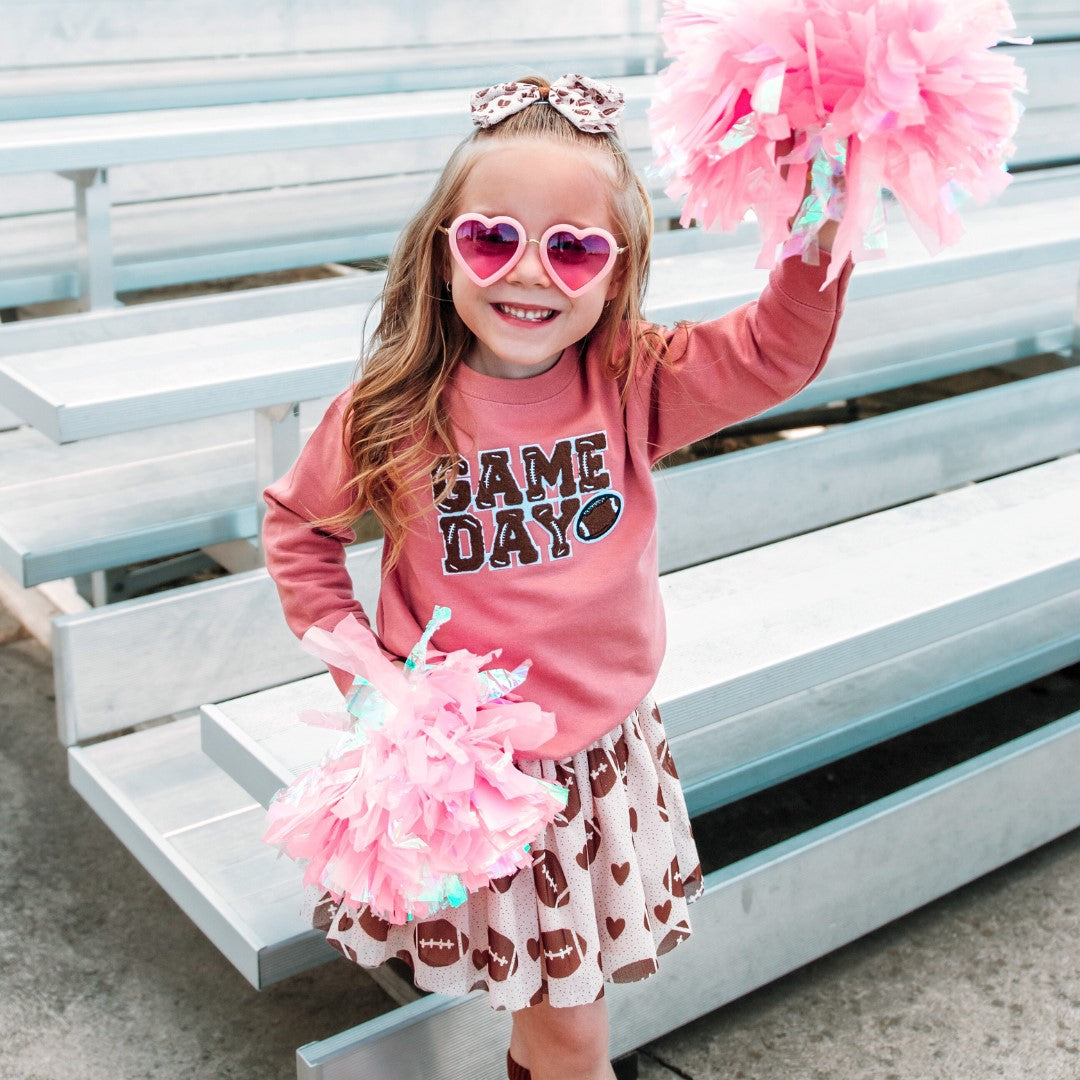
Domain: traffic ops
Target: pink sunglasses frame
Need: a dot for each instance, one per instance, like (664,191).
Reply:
(614,251)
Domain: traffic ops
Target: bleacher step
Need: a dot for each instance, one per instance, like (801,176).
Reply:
(985,578)
(774,911)
(195,481)
(199,834)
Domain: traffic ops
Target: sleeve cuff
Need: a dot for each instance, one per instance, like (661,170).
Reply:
(800,282)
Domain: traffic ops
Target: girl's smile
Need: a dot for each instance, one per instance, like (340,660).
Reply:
(523,321)
(523,313)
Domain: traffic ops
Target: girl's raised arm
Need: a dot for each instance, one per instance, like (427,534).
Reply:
(725,370)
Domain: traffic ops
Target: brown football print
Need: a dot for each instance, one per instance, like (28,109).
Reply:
(501,884)
(562,953)
(673,879)
(592,844)
(622,754)
(502,956)
(598,516)
(323,916)
(406,957)
(603,771)
(439,943)
(633,972)
(375,928)
(551,888)
(346,950)
(680,932)
(667,762)
(568,779)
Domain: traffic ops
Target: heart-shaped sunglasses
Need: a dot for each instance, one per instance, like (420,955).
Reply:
(487,249)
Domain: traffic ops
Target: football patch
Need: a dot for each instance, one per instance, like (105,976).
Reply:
(598,516)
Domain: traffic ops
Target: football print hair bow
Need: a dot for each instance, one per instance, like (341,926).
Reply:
(590,105)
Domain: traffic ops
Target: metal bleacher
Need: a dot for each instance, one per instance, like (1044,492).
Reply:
(824,593)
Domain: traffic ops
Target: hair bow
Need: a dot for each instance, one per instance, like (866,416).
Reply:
(590,105)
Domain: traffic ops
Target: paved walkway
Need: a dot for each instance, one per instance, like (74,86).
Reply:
(103,978)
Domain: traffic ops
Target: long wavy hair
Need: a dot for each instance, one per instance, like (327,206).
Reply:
(397,431)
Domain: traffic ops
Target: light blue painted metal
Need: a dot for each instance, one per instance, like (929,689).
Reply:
(204,849)
(57,144)
(90,703)
(772,912)
(277,444)
(96,389)
(82,88)
(93,230)
(860,605)
(1048,136)
(782,739)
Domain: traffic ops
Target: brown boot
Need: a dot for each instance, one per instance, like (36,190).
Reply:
(515,1071)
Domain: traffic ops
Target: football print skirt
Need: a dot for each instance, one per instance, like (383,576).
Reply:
(607,894)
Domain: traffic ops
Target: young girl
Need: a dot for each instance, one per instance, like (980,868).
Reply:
(511,408)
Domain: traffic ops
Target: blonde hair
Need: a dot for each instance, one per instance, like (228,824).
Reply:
(396,430)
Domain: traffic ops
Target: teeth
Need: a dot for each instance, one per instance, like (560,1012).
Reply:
(532,315)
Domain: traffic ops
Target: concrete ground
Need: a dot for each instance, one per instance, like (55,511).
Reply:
(103,978)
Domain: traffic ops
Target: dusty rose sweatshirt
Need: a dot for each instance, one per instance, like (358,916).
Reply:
(547,546)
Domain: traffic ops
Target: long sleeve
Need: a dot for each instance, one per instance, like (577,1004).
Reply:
(719,372)
(307,562)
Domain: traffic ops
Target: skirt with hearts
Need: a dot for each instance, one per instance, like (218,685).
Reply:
(606,896)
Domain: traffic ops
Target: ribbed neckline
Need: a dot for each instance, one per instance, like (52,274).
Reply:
(518,391)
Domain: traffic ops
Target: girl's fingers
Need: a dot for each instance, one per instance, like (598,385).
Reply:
(783,148)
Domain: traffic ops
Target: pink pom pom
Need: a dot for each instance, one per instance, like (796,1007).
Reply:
(420,802)
(903,95)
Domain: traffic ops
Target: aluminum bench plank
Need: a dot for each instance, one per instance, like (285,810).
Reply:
(929,569)
(713,507)
(772,912)
(259,741)
(101,388)
(135,496)
(738,756)
(87,142)
(750,630)
(122,31)
(74,89)
(199,835)
(197,489)
(185,313)
(153,632)
(696,494)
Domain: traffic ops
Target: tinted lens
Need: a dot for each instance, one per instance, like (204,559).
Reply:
(577,260)
(486,248)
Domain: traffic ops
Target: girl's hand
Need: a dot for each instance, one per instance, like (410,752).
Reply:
(827,234)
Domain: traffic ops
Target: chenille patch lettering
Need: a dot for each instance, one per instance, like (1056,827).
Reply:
(526,506)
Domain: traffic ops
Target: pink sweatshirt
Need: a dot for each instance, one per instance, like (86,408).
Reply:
(547,547)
